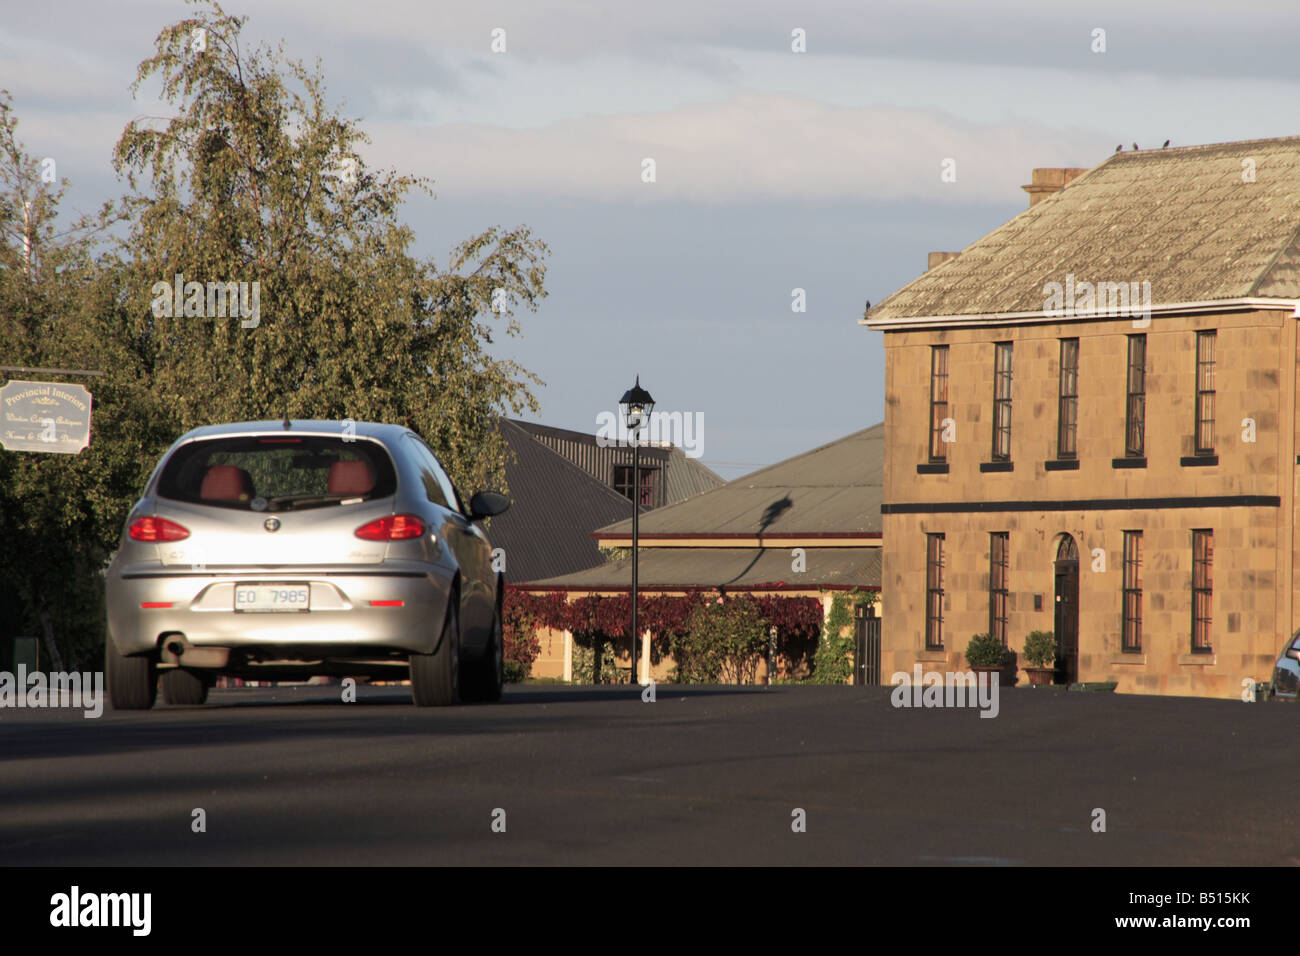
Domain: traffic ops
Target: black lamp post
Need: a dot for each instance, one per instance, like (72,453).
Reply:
(636,405)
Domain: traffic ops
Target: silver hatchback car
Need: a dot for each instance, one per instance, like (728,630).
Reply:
(285,550)
(1286,672)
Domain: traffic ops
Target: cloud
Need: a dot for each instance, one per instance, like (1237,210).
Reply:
(749,147)
(1182,37)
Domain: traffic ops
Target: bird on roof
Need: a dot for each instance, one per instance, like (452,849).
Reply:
(1166,146)
(1119,148)
(866,309)
(1135,147)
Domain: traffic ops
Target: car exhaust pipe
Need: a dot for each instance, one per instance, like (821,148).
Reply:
(177,650)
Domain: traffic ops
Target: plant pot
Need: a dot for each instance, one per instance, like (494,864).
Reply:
(991,670)
(1040,675)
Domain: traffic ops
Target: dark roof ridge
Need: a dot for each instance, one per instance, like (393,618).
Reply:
(605,489)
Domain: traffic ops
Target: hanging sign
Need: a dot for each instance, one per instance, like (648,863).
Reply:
(44,416)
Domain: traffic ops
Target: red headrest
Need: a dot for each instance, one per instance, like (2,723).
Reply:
(226,483)
(351,478)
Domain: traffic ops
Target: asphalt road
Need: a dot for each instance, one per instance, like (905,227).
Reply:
(701,776)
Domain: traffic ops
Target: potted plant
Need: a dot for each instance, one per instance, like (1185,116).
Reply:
(1040,657)
(985,654)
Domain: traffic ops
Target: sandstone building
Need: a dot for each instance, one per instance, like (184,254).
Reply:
(1091,426)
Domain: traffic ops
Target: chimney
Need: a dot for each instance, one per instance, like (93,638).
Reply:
(1048,181)
(939,258)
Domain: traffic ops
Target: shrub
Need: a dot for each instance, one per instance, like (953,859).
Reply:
(585,660)
(798,623)
(1040,649)
(522,613)
(721,643)
(516,672)
(599,625)
(985,650)
(833,663)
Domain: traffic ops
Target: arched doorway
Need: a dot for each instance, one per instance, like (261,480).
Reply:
(1067,611)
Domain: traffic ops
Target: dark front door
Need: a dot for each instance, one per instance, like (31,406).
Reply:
(1067,612)
(867,669)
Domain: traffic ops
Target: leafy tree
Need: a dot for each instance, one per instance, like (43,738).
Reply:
(257,179)
(60,515)
(253,179)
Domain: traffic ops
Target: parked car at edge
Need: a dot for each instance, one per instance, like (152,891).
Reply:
(286,550)
(1286,672)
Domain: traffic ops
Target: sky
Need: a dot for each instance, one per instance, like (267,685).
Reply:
(775,170)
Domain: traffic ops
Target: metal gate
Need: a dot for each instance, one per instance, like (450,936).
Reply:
(866,668)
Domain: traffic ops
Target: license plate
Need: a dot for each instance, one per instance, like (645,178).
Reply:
(272,597)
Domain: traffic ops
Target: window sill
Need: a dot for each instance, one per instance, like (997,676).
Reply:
(1197,660)
(933,655)
(1198,461)
(1128,462)
(932,468)
(1061,464)
(1137,658)
(987,466)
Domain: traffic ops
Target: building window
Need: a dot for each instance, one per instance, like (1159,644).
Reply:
(938,401)
(1067,412)
(1132,592)
(623,484)
(1205,393)
(1002,402)
(1135,419)
(998,542)
(934,592)
(1202,590)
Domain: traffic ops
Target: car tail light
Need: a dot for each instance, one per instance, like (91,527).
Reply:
(392,528)
(157,529)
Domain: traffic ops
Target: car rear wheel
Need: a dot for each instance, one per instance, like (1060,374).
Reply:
(484,678)
(184,688)
(435,677)
(132,681)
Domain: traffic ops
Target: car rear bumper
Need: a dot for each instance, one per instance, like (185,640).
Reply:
(355,611)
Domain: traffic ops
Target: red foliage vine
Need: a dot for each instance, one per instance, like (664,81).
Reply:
(798,620)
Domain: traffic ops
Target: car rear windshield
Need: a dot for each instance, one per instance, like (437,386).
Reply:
(277,472)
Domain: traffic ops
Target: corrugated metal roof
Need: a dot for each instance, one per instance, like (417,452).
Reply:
(732,567)
(1182,219)
(682,476)
(554,507)
(834,488)
(687,477)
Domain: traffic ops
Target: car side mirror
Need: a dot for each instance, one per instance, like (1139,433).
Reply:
(485,504)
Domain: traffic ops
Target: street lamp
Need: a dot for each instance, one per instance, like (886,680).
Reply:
(636,405)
